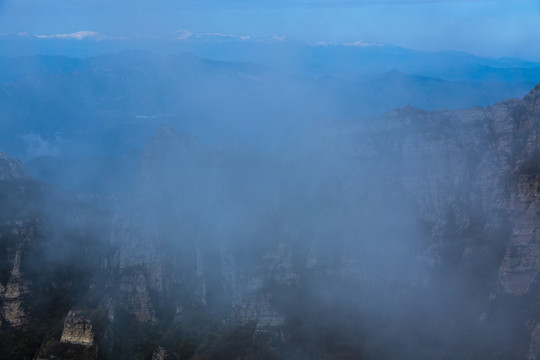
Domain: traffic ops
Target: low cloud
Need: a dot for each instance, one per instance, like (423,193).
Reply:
(361,44)
(187,35)
(79,35)
(183,34)
(37,146)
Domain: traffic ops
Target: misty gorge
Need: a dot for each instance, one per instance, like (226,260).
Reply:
(203,194)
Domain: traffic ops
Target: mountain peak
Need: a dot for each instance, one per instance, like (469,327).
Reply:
(533,99)
(535,92)
(11,168)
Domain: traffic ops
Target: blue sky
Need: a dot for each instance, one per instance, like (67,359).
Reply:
(489,28)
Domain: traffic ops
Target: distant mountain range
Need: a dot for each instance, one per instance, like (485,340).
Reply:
(106,105)
(311,58)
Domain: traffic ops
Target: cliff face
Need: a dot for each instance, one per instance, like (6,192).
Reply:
(50,244)
(474,176)
(333,248)
(14,294)
(18,237)
(410,202)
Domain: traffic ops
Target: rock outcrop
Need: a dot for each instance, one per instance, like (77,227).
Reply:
(14,295)
(77,330)
(19,237)
(77,340)
(159,354)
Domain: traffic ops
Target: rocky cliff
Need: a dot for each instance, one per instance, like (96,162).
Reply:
(49,246)
(408,201)
(411,235)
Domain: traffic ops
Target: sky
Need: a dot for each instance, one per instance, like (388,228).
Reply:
(487,28)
